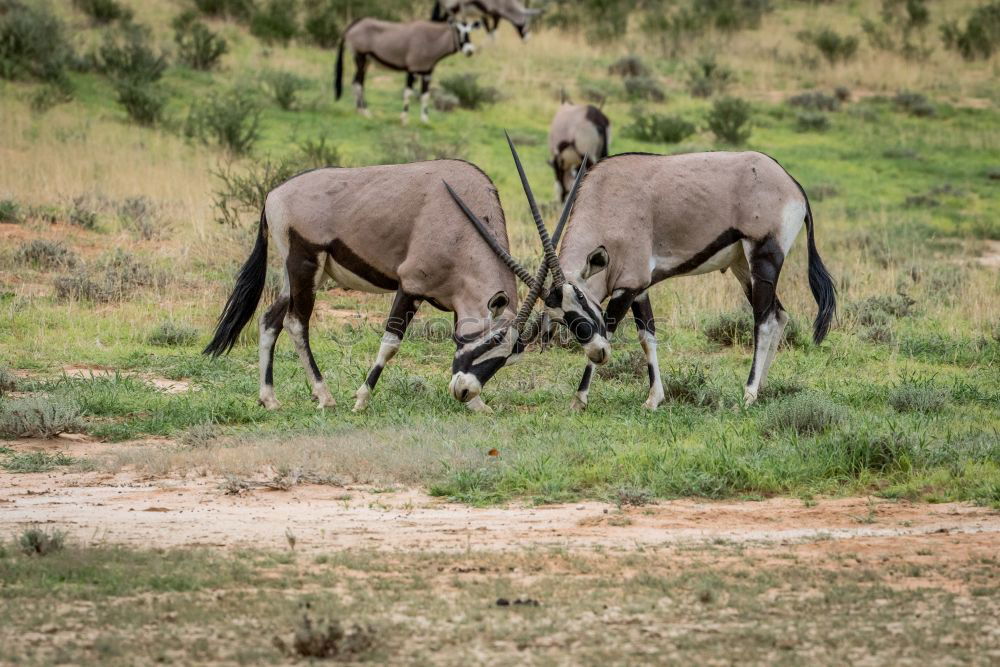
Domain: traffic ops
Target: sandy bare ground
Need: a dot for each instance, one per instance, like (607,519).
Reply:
(129,509)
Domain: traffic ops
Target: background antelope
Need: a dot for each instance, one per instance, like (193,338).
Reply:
(643,218)
(414,48)
(578,131)
(491,11)
(383,229)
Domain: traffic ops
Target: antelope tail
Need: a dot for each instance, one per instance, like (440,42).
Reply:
(438,14)
(820,283)
(338,70)
(246,295)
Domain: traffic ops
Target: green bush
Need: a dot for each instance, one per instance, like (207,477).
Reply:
(275,22)
(980,37)
(914,104)
(284,87)
(660,128)
(729,329)
(103,12)
(11,212)
(198,47)
(812,121)
(143,101)
(33,44)
(729,120)
(644,88)
(239,10)
(125,55)
(43,254)
(732,15)
(706,77)
(8,381)
(50,95)
(880,309)
(628,67)
(38,417)
(230,119)
(832,45)
(470,94)
(322,22)
(804,413)
(815,101)
(83,213)
(628,366)
(171,334)
(41,542)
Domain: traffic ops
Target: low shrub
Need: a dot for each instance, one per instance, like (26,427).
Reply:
(8,381)
(629,365)
(33,44)
(38,417)
(103,12)
(880,309)
(125,55)
(114,278)
(832,45)
(403,147)
(284,87)
(918,395)
(141,216)
(313,153)
(639,88)
(914,104)
(659,128)
(322,22)
(198,47)
(706,77)
(729,120)
(804,413)
(443,100)
(41,542)
(229,119)
(83,213)
(239,10)
(729,329)
(42,254)
(690,384)
(879,333)
(172,334)
(143,101)
(199,435)
(50,95)
(980,37)
(815,101)
(275,22)
(628,67)
(470,94)
(812,121)
(11,212)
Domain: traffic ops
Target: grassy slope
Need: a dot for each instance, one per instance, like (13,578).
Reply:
(869,238)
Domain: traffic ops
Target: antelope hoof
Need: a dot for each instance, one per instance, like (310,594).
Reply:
(652,402)
(477,405)
(425,119)
(268,402)
(579,403)
(749,397)
(404,118)
(324,398)
(367,113)
(362,395)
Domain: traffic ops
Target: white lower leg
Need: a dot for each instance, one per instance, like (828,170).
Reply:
(765,334)
(359,99)
(386,351)
(579,401)
(782,319)
(424,100)
(319,391)
(477,405)
(267,339)
(405,116)
(648,342)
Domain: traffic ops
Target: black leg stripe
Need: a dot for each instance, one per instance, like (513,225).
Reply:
(373,376)
(652,374)
(585,380)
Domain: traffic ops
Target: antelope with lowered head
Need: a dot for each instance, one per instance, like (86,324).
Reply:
(389,228)
(641,218)
(580,136)
(414,48)
(513,11)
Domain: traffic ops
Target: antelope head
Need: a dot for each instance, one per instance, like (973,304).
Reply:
(463,30)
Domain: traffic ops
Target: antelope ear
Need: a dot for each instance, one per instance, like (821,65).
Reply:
(597,261)
(498,304)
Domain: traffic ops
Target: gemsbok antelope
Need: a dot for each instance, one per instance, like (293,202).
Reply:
(513,11)
(641,218)
(579,132)
(383,229)
(414,48)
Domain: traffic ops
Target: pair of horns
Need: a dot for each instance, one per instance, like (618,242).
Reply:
(550,263)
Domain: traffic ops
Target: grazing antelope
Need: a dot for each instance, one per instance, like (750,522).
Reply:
(513,11)
(578,131)
(643,218)
(383,229)
(414,48)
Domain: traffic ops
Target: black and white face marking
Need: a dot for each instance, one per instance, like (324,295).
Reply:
(573,308)
(478,358)
(464,30)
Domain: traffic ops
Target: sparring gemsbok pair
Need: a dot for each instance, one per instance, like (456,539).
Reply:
(641,218)
(383,229)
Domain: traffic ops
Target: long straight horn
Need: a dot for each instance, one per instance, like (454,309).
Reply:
(568,206)
(504,256)
(550,254)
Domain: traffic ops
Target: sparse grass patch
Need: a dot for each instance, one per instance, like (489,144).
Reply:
(38,417)
(29,462)
(812,121)
(172,334)
(230,119)
(833,46)
(467,89)
(627,365)
(37,541)
(644,88)
(44,254)
(11,212)
(115,277)
(815,101)
(914,104)
(804,413)
(690,384)
(142,216)
(284,87)
(198,47)
(918,395)
(274,21)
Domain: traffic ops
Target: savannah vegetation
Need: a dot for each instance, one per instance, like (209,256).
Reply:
(140,138)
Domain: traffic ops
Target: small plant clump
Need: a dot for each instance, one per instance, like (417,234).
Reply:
(43,254)
(980,38)
(691,385)
(238,10)
(83,212)
(230,119)
(832,45)
(915,395)
(322,22)
(38,417)
(729,329)
(812,121)
(37,541)
(624,366)
(331,641)
(914,104)
(470,94)
(103,12)
(116,277)
(33,44)
(284,87)
(275,22)
(134,69)
(141,216)
(804,413)
(815,101)
(198,47)
(706,77)
(171,334)
(729,120)
(11,212)
(644,88)
(659,128)
(628,67)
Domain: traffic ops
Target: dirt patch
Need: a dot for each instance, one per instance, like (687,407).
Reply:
(991,255)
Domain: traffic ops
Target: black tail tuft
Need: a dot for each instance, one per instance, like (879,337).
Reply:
(246,295)
(338,76)
(438,14)
(820,283)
